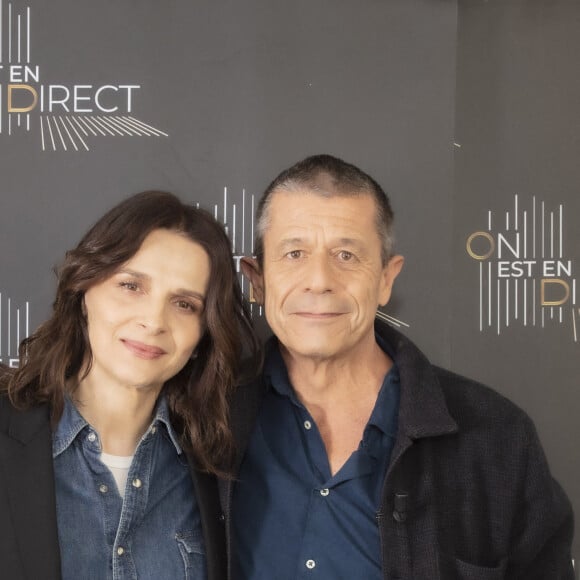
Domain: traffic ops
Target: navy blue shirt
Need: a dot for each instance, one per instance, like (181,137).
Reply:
(291,518)
(153,533)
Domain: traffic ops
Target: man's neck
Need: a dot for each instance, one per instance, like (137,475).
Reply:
(340,395)
(317,379)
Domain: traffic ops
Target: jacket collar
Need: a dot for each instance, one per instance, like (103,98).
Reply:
(423,411)
(24,426)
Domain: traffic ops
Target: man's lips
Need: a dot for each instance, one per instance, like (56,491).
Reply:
(318,315)
(142,350)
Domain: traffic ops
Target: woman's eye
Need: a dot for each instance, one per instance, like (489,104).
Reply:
(185,305)
(133,286)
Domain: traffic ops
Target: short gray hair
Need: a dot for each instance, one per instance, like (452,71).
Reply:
(343,179)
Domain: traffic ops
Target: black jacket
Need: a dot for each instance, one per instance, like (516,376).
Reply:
(29,547)
(468,494)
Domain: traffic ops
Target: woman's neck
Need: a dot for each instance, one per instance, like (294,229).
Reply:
(120,415)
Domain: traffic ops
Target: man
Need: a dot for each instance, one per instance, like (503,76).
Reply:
(361,460)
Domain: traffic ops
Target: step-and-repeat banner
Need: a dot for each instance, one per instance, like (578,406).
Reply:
(466,112)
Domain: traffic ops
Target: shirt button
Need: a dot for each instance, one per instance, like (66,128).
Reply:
(137,483)
(310,564)
(103,488)
(153,430)
(120,550)
(308,425)
(92,437)
(324,492)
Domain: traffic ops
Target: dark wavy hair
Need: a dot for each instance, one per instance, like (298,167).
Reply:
(55,355)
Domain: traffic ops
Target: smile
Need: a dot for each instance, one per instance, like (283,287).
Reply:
(142,350)
(318,315)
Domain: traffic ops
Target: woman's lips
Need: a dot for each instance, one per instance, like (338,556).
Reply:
(142,350)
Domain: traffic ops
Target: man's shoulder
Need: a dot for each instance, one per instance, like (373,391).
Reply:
(475,405)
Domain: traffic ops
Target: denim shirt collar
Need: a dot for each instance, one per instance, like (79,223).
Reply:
(72,423)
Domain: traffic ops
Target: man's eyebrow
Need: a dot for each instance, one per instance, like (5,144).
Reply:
(179,291)
(349,242)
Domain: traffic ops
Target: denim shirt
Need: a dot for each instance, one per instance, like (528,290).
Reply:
(153,533)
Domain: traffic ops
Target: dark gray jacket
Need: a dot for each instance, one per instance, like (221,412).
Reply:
(468,494)
(29,547)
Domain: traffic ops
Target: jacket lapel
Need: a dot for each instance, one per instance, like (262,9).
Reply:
(213,527)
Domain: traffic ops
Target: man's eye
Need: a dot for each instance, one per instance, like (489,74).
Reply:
(294,254)
(345,256)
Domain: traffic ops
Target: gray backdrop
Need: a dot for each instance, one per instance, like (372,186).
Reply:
(455,107)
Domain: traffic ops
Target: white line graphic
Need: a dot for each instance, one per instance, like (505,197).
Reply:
(68,133)
(390,319)
(9,304)
(9,32)
(77,123)
(148,127)
(42,133)
(88,120)
(480,296)
(560,210)
(77,133)
(107,124)
(507,302)
(525,302)
(534,302)
(489,293)
(551,234)
(28,34)
(534,226)
(59,134)
(498,306)
(1,28)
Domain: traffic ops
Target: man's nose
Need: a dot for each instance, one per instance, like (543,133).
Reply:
(319,275)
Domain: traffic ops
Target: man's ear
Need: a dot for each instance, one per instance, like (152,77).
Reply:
(390,272)
(252,271)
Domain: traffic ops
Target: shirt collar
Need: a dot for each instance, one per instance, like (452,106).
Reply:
(276,374)
(72,423)
(384,414)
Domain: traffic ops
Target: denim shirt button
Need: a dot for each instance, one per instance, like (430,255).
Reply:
(137,483)
(153,429)
(103,488)
(92,436)
(120,550)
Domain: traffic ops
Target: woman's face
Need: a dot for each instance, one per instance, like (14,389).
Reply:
(145,321)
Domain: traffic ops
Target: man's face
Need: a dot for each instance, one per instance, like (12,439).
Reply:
(322,277)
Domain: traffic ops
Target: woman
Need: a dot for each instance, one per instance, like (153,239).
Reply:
(114,427)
